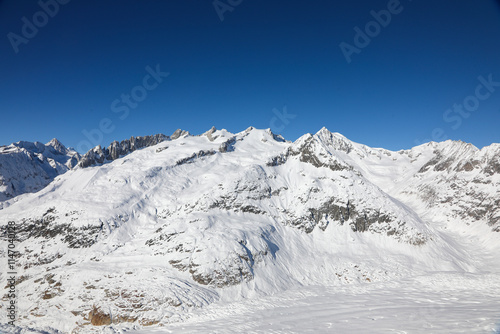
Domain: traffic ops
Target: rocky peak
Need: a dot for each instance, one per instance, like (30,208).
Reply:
(57,146)
(276,137)
(179,133)
(334,140)
(115,150)
(209,134)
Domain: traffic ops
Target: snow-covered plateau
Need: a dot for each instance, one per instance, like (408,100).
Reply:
(251,233)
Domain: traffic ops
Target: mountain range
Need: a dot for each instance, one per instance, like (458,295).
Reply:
(149,229)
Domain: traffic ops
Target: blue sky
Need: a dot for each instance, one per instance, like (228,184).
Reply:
(87,69)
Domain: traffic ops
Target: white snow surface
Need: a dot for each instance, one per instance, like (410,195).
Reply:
(249,233)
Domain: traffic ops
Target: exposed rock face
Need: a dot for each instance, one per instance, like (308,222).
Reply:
(195,156)
(48,228)
(98,317)
(179,133)
(228,145)
(209,133)
(99,155)
(312,151)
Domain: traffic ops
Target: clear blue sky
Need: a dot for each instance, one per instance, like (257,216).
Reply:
(232,73)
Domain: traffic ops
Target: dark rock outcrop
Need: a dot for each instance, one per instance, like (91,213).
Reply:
(99,155)
(195,156)
(228,145)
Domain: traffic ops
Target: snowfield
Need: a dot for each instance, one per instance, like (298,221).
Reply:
(250,233)
(435,303)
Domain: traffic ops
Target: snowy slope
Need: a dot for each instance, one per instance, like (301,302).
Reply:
(150,237)
(27,167)
(438,303)
(445,181)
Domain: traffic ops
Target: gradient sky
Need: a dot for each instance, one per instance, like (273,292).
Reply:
(232,73)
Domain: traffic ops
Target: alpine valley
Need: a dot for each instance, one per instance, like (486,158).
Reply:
(251,233)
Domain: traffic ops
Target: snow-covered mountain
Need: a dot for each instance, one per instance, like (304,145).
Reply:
(145,236)
(451,180)
(28,167)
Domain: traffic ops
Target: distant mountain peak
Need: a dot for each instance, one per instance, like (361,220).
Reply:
(209,133)
(334,140)
(276,137)
(28,167)
(323,130)
(57,145)
(54,142)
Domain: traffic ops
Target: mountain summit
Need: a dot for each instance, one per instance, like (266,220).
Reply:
(28,167)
